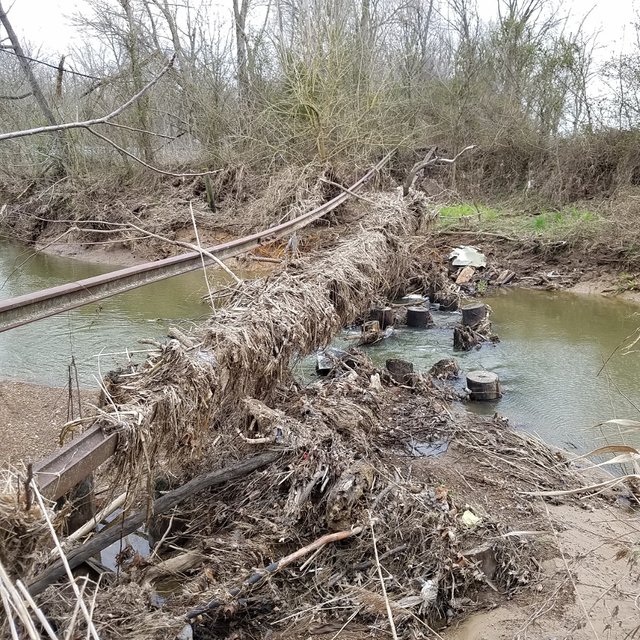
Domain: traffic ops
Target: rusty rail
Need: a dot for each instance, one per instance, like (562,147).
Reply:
(24,309)
(69,465)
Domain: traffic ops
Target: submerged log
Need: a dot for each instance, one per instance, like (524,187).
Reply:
(483,385)
(419,317)
(474,314)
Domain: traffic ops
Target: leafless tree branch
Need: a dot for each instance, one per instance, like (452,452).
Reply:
(88,123)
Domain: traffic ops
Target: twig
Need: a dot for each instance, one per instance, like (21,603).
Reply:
(204,267)
(392,624)
(63,560)
(259,577)
(161,505)
(349,191)
(87,527)
(88,123)
(139,160)
(36,609)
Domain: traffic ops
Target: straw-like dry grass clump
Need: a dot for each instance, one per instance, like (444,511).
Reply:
(23,528)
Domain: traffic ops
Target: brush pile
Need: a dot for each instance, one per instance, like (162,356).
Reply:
(351,465)
(352,524)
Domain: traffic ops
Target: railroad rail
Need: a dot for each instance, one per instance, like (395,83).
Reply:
(21,310)
(66,467)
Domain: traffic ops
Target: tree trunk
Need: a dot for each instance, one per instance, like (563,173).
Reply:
(240,11)
(35,88)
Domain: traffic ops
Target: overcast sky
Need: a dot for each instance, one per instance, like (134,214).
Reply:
(44,22)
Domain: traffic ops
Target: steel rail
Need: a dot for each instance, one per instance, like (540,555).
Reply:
(21,310)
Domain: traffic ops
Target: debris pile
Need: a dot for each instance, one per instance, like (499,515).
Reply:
(304,506)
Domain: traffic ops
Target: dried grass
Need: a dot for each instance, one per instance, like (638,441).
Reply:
(23,528)
(170,407)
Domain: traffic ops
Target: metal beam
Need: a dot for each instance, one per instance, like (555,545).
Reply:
(24,309)
(66,467)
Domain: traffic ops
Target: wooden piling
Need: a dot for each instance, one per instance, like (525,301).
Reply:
(383,315)
(474,314)
(419,317)
(483,385)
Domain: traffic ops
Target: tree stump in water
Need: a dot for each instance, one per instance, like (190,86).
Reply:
(449,304)
(483,385)
(419,317)
(445,369)
(473,314)
(465,338)
(400,370)
(383,315)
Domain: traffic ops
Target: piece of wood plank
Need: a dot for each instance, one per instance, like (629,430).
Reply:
(171,499)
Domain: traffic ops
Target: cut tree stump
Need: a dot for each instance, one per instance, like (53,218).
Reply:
(384,316)
(474,314)
(483,385)
(400,370)
(419,317)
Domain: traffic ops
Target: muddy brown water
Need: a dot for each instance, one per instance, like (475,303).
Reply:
(99,336)
(550,358)
(560,360)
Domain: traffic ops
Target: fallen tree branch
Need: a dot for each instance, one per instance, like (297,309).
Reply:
(261,575)
(114,533)
(139,160)
(88,123)
(429,160)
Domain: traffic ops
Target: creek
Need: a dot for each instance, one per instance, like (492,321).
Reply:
(99,336)
(550,358)
(560,360)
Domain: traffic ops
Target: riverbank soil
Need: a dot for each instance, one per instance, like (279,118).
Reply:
(31,417)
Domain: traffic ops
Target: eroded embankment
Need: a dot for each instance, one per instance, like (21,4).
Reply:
(413,540)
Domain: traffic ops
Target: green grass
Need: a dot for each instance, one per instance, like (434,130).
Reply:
(564,219)
(457,211)
(507,220)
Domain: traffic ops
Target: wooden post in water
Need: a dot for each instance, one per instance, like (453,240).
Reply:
(474,314)
(483,385)
(419,317)
(383,315)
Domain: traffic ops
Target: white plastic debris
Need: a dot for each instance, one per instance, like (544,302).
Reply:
(375,382)
(429,591)
(470,519)
(186,633)
(465,256)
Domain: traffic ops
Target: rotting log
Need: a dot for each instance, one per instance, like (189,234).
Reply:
(474,314)
(483,385)
(108,536)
